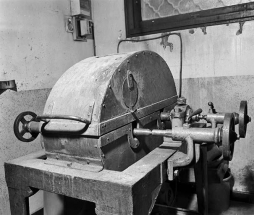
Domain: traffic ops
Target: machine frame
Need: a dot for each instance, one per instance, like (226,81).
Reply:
(110,190)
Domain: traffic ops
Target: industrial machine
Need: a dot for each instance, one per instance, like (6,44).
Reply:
(113,132)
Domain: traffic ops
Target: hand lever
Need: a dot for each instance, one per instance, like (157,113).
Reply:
(212,109)
(196,112)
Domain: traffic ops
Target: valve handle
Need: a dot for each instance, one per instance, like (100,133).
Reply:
(20,126)
(229,136)
(244,119)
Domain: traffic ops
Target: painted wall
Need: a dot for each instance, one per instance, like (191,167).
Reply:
(35,51)
(217,67)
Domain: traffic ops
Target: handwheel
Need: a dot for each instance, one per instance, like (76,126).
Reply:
(244,119)
(20,126)
(228,136)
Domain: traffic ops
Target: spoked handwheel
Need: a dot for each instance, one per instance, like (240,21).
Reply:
(244,119)
(229,136)
(20,126)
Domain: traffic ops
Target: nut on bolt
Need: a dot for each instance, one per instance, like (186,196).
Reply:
(181,101)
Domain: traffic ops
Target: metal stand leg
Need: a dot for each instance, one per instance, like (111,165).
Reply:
(19,201)
(202,181)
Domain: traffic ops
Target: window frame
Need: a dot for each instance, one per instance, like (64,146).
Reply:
(135,26)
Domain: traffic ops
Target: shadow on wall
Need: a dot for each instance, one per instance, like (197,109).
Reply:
(249,178)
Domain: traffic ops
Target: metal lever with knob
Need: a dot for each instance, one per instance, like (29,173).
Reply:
(211,109)
(195,113)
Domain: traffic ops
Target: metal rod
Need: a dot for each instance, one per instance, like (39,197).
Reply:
(164,133)
(141,132)
(67,117)
(34,127)
(155,132)
(165,116)
(199,135)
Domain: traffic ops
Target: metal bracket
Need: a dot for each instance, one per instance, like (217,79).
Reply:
(240,31)
(164,42)
(203,29)
(7,85)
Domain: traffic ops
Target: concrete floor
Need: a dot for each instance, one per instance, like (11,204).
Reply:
(239,208)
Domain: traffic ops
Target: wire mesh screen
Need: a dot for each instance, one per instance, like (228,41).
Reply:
(152,9)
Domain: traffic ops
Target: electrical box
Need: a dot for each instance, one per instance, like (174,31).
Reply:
(85,27)
(80,23)
(82,28)
(81,7)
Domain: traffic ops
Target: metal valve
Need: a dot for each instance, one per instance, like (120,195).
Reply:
(179,115)
(21,126)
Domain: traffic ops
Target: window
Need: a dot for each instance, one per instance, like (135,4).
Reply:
(152,16)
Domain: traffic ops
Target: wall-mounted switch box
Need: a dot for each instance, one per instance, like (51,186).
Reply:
(81,7)
(82,28)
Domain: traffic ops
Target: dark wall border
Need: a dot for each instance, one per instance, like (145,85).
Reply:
(136,27)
